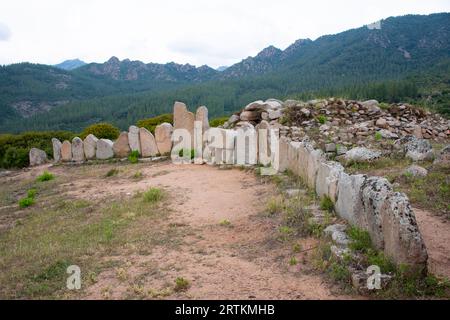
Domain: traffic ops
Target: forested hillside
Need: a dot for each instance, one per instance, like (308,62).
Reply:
(407,59)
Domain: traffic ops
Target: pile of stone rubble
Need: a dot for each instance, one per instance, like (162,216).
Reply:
(346,122)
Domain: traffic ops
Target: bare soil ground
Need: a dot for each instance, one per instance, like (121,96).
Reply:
(217,236)
(211,229)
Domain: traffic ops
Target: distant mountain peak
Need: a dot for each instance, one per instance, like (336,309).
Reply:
(269,52)
(70,64)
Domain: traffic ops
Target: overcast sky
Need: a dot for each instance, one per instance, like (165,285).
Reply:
(213,32)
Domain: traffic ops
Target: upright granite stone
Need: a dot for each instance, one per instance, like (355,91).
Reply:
(349,205)
(66,151)
(264,154)
(148,143)
(282,155)
(183,119)
(375,191)
(327,179)
(202,116)
(315,158)
(90,147)
(56,150)
(121,146)
(133,139)
(104,149)
(163,137)
(37,157)
(403,242)
(77,150)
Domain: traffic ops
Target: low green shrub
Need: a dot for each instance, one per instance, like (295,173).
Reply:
(101,131)
(217,122)
(26,202)
(14,148)
(46,176)
(151,123)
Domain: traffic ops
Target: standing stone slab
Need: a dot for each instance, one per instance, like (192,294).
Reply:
(37,157)
(375,191)
(77,150)
(133,139)
(56,150)
(403,242)
(293,153)
(90,146)
(104,149)
(66,151)
(315,158)
(327,179)
(121,146)
(263,143)
(163,137)
(349,204)
(282,155)
(246,148)
(202,116)
(183,119)
(148,143)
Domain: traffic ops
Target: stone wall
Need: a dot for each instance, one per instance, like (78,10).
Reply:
(136,139)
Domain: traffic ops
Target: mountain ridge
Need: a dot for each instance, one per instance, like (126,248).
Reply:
(404,46)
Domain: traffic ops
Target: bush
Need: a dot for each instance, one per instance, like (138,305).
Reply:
(46,176)
(134,157)
(151,123)
(214,123)
(14,148)
(26,202)
(101,131)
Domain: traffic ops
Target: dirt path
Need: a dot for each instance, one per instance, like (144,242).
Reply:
(436,233)
(239,261)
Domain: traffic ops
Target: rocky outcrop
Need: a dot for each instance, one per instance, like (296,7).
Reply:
(361,155)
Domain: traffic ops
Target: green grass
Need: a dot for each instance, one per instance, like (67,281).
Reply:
(134,157)
(153,195)
(275,205)
(181,284)
(431,192)
(31,193)
(326,204)
(225,223)
(321,119)
(46,176)
(378,136)
(293,261)
(26,202)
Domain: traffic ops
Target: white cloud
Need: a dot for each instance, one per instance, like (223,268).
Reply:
(213,32)
(5,33)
